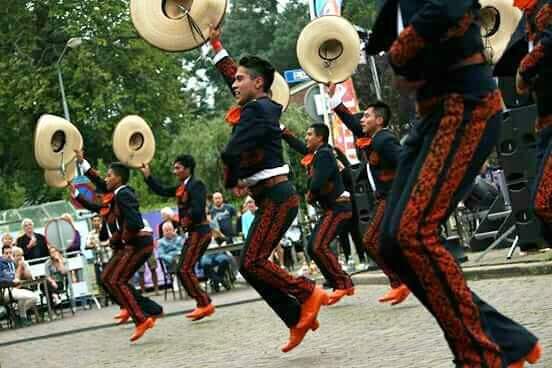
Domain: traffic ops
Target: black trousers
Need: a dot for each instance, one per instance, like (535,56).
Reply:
(440,160)
(331,223)
(116,279)
(284,293)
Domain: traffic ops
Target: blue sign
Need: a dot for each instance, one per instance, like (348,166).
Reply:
(295,76)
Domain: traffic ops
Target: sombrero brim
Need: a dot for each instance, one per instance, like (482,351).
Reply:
(280,91)
(47,126)
(510,17)
(180,34)
(125,129)
(56,179)
(317,32)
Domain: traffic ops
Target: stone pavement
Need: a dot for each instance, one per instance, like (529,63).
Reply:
(358,332)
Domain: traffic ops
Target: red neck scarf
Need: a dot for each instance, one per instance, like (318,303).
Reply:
(307,159)
(107,199)
(181,191)
(233,115)
(525,4)
(363,142)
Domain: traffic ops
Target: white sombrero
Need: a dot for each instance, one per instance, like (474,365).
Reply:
(280,92)
(173,25)
(499,21)
(328,49)
(55,142)
(133,141)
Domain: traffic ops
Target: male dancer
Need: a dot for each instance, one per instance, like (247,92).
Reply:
(132,245)
(380,150)
(254,163)
(190,196)
(535,74)
(439,54)
(325,187)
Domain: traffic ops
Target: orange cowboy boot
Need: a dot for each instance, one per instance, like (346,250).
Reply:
(311,307)
(201,312)
(123,316)
(340,293)
(533,357)
(396,295)
(296,336)
(141,329)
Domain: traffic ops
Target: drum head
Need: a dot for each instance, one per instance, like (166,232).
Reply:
(59,233)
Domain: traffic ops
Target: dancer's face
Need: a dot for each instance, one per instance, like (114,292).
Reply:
(180,171)
(370,122)
(246,86)
(112,180)
(312,140)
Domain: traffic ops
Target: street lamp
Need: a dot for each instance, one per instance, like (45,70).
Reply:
(71,43)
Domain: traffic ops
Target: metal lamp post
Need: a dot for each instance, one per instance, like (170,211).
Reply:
(71,43)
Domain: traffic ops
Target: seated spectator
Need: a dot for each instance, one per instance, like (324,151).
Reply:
(22,269)
(7,240)
(8,277)
(76,244)
(170,245)
(168,215)
(55,272)
(34,245)
(152,265)
(215,267)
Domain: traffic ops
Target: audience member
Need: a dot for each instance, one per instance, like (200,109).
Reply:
(249,209)
(76,244)
(55,272)
(152,265)
(8,277)
(22,268)
(101,249)
(33,244)
(223,214)
(170,245)
(7,240)
(167,215)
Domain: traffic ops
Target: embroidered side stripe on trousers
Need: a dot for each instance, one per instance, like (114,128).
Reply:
(195,247)
(371,243)
(319,247)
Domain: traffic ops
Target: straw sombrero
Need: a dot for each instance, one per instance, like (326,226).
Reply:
(280,92)
(59,178)
(173,25)
(133,141)
(328,49)
(55,140)
(499,21)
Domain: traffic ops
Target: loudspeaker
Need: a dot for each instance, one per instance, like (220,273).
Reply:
(362,196)
(517,156)
(529,228)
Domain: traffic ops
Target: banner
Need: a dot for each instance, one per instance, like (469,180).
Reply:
(342,137)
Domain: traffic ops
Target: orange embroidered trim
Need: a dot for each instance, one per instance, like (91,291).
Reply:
(543,122)
(544,16)
(107,199)
(405,47)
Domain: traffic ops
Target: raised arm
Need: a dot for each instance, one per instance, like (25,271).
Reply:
(155,185)
(345,115)
(224,63)
(295,143)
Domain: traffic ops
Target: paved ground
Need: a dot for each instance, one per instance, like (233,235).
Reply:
(359,332)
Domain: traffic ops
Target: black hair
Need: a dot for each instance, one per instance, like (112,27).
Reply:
(187,161)
(382,110)
(121,171)
(258,67)
(321,130)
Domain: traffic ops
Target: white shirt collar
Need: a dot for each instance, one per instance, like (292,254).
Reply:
(119,189)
